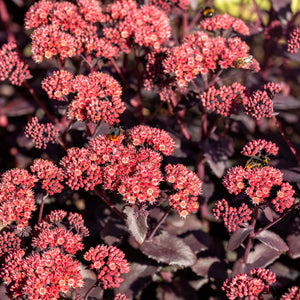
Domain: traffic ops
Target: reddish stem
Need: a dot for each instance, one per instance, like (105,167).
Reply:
(5,19)
(163,218)
(42,208)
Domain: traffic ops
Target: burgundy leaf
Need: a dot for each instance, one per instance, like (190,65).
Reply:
(261,257)
(291,174)
(285,102)
(137,223)
(293,241)
(210,267)
(272,240)
(139,277)
(238,237)
(198,241)
(239,267)
(268,213)
(169,249)
(113,231)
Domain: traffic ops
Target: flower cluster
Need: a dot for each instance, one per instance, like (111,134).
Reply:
(109,263)
(260,103)
(224,100)
(79,170)
(168,5)
(233,217)
(17,197)
(252,285)
(120,297)
(292,294)
(41,134)
(61,28)
(187,186)
(224,22)
(9,242)
(52,235)
(200,53)
(11,67)
(98,96)
(151,26)
(255,147)
(156,138)
(50,175)
(40,275)
(293,43)
(58,84)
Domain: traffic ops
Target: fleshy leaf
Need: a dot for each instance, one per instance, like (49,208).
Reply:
(238,237)
(137,223)
(293,241)
(268,213)
(272,240)
(169,249)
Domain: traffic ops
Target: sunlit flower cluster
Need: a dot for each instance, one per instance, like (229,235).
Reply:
(168,5)
(257,146)
(98,96)
(16,197)
(224,22)
(187,188)
(224,99)
(232,217)
(51,176)
(58,84)
(250,286)
(109,263)
(11,67)
(41,134)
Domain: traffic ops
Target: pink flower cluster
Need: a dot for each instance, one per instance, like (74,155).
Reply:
(200,53)
(41,134)
(98,96)
(58,84)
(50,175)
(16,197)
(11,67)
(293,43)
(120,297)
(109,263)
(79,170)
(40,275)
(250,286)
(9,242)
(61,28)
(224,22)
(292,294)
(187,186)
(224,99)
(168,5)
(232,217)
(257,146)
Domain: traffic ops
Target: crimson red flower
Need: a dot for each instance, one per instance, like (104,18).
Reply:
(58,84)
(9,242)
(293,42)
(108,263)
(292,294)
(251,286)
(41,134)
(11,66)
(120,297)
(16,197)
(168,5)
(232,217)
(50,175)
(187,186)
(98,96)
(79,170)
(224,22)
(256,146)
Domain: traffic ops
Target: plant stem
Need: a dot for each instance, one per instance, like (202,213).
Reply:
(5,19)
(38,101)
(42,208)
(163,218)
(286,139)
(103,196)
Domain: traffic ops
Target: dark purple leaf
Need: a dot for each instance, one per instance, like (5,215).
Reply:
(272,240)
(17,107)
(261,257)
(113,231)
(291,174)
(283,10)
(293,241)
(268,213)
(169,249)
(139,277)
(239,267)
(285,102)
(137,223)
(198,241)
(238,237)
(211,267)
